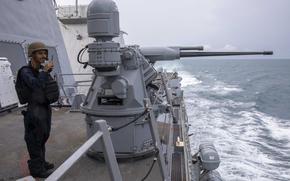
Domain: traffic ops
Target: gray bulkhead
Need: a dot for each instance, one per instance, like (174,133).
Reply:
(23,22)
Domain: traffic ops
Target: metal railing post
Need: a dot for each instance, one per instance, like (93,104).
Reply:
(109,152)
(156,140)
(170,147)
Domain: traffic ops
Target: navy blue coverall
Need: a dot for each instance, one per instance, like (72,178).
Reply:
(37,117)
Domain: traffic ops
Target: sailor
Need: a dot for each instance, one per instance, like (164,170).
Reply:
(37,117)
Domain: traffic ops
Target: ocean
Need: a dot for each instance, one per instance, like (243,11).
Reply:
(243,107)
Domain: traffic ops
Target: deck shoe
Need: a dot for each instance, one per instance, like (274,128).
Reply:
(43,174)
(48,165)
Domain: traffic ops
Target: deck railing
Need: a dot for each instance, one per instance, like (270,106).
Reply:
(109,154)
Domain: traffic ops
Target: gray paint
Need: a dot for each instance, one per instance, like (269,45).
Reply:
(15,54)
(103,19)
(125,67)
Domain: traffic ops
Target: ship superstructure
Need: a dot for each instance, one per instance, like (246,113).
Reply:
(23,22)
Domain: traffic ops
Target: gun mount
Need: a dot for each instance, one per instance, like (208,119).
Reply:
(124,78)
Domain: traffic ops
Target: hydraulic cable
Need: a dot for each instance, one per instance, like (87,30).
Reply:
(151,167)
(127,124)
(80,55)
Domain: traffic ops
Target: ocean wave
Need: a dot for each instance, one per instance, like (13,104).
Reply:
(253,145)
(225,90)
(219,88)
(188,79)
(245,154)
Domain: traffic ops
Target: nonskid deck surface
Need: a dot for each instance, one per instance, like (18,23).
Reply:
(67,134)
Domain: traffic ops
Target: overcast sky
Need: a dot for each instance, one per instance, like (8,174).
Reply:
(218,24)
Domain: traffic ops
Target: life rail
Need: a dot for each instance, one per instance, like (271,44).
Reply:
(109,154)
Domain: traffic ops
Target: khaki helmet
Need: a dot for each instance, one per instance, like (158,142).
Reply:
(36,46)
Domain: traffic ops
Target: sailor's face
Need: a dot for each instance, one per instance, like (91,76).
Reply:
(40,56)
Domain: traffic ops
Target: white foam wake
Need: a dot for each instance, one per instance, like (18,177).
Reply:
(223,89)
(252,144)
(188,79)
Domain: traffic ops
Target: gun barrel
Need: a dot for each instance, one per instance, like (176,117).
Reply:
(172,53)
(191,48)
(206,54)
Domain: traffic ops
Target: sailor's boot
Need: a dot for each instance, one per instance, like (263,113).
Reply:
(37,170)
(48,166)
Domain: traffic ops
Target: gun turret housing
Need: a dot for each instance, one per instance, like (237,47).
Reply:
(103,25)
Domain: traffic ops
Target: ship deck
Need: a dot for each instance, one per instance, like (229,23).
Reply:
(67,134)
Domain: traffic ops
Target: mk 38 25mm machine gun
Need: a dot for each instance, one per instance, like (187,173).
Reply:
(124,78)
